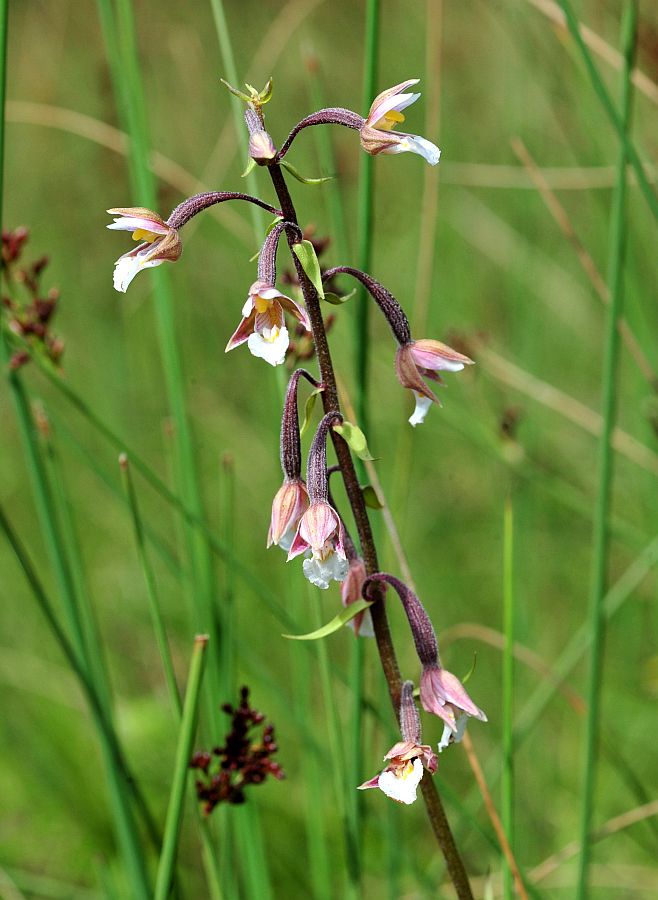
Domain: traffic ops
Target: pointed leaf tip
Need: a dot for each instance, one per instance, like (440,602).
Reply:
(344,616)
(305,253)
(355,438)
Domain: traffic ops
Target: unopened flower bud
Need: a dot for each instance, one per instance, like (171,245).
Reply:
(261,147)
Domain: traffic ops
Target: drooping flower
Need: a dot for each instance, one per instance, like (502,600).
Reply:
(289,505)
(291,500)
(408,757)
(261,147)
(263,325)
(159,243)
(443,694)
(417,360)
(320,530)
(377,134)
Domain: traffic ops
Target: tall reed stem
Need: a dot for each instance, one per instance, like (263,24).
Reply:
(387,656)
(596,618)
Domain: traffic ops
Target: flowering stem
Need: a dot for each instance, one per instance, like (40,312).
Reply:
(383,638)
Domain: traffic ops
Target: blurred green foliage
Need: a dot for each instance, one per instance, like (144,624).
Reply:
(504,279)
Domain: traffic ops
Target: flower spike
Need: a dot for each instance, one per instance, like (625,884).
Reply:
(408,757)
(377,135)
(320,529)
(291,500)
(441,692)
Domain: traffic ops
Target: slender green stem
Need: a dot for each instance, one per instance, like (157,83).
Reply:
(122,42)
(606,457)
(151,587)
(365,216)
(616,118)
(181,769)
(119,778)
(507,785)
(338,765)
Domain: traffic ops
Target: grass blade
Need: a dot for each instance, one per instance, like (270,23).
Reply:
(151,588)
(181,768)
(507,782)
(596,619)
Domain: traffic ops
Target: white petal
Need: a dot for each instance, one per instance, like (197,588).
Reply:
(321,571)
(126,267)
(396,102)
(402,787)
(133,223)
(286,539)
(449,736)
(269,346)
(422,405)
(413,143)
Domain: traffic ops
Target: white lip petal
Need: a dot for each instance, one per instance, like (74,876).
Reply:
(321,571)
(402,787)
(412,143)
(126,267)
(422,406)
(272,348)
(449,736)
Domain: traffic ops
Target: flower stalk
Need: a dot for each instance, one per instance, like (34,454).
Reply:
(381,627)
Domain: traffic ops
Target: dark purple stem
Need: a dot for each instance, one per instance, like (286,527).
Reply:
(419,622)
(316,467)
(196,204)
(395,315)
(332,116)
(290,446)
(267,255)
(435,811)
(409,717)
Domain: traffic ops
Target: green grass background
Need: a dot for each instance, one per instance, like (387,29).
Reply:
(502,271)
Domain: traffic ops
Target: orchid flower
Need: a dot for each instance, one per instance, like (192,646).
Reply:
(159,243)
(408,758)
(417,360)
(291,500)
(441,692)
(263,325)
(320,529)
(377,134)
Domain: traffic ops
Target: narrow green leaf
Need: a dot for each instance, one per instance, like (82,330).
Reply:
(355,438)
(344,616)
(304,180)
(236,93)
(305,253)
(471,670)
(308,410)
(370,497)
(338,299)
(250,167)
(181,769)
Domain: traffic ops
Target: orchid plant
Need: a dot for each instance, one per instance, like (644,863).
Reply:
(305,521)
